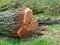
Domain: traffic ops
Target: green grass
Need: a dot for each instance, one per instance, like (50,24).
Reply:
(3,2)
(32,41)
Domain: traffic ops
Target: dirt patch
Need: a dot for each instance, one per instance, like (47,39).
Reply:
(55,35)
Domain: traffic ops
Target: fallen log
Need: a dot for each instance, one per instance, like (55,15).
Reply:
(48,21)
(18,24)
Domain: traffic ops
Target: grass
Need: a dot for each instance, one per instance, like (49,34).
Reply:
(32,41)
(3,2)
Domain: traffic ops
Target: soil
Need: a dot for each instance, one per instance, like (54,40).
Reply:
(55,35)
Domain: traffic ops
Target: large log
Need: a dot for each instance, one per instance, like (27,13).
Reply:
(48,21)
(18,24)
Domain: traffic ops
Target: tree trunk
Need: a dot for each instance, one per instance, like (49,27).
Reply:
(17,24)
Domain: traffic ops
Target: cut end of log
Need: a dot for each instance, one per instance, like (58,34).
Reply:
(17,24)
(29,23)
